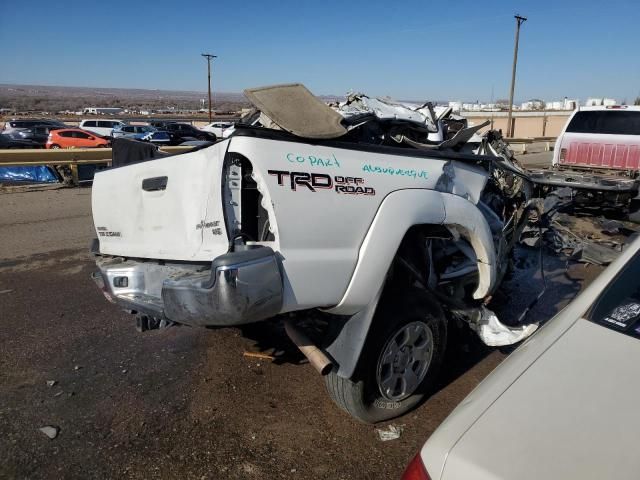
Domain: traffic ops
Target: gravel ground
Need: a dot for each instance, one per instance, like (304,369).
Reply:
(184,402)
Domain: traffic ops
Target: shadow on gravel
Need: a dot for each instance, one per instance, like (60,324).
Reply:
(270,339)
(464,349)
(564,280)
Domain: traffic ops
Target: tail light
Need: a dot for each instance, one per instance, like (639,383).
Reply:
(415,470)
(563,154)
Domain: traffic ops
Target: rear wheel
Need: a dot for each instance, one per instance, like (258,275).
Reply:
(400,360)
(54,147)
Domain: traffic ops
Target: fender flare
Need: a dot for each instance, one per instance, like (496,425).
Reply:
(398,213)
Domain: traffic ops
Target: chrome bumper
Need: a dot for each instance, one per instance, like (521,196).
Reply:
(237,288)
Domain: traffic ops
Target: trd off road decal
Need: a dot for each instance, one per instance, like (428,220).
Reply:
(322,181)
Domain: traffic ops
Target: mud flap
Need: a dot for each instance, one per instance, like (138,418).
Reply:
(346,347)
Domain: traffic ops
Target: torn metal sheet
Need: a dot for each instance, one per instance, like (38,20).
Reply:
(462,136)
(362,119)
(359,107)
(597,254)
(295,109)
(495,333)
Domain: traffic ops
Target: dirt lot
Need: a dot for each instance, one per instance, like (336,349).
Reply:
(184,402)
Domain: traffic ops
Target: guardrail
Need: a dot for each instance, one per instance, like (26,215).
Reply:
(71,157)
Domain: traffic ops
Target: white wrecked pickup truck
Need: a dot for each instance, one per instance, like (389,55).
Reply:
(375,222)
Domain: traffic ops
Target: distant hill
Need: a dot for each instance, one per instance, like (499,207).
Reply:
(53,99)
(46,98)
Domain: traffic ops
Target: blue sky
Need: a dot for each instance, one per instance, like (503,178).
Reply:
(406,49)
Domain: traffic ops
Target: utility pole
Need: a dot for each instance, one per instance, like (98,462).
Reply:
(519,21)
(209,57)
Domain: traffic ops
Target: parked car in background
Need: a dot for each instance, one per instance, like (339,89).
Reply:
(144,133)
(563,405)
(183,132)
(10,141)
(104,128)
(123,130)
(75,138)
(13,125)
(220,129)
(38,134)
(161,124)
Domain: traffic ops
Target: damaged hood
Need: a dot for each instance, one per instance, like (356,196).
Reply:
(361,119)
(295,109)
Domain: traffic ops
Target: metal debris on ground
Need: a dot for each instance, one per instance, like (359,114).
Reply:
(51,383)
(262,356)
(572,234)
(494,333)
(390,432)
(611,227)
(50,431)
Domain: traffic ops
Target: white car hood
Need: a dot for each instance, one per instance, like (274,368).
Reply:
(574,413)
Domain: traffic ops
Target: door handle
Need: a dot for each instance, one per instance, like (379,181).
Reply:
(154,184)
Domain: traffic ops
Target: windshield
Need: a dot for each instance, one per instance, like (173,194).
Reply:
(613,122)
(618,307)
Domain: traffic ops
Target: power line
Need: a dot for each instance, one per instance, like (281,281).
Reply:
(209,57)
(519,21)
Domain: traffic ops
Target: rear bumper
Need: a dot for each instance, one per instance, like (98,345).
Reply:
(238,288)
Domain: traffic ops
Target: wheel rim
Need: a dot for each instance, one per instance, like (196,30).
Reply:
(404,361)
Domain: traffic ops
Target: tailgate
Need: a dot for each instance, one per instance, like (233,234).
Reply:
(600,151)
(169,208)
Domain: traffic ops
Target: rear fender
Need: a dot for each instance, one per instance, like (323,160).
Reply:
(397,214)
(400,211)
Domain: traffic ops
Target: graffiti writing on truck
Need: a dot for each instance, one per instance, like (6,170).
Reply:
(313,161)
(393,171)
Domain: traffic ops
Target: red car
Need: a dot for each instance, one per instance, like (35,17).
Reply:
(75,138)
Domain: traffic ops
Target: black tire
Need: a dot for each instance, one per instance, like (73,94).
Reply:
(361,396)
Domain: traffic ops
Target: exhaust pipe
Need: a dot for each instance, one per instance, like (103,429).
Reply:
(316,357)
